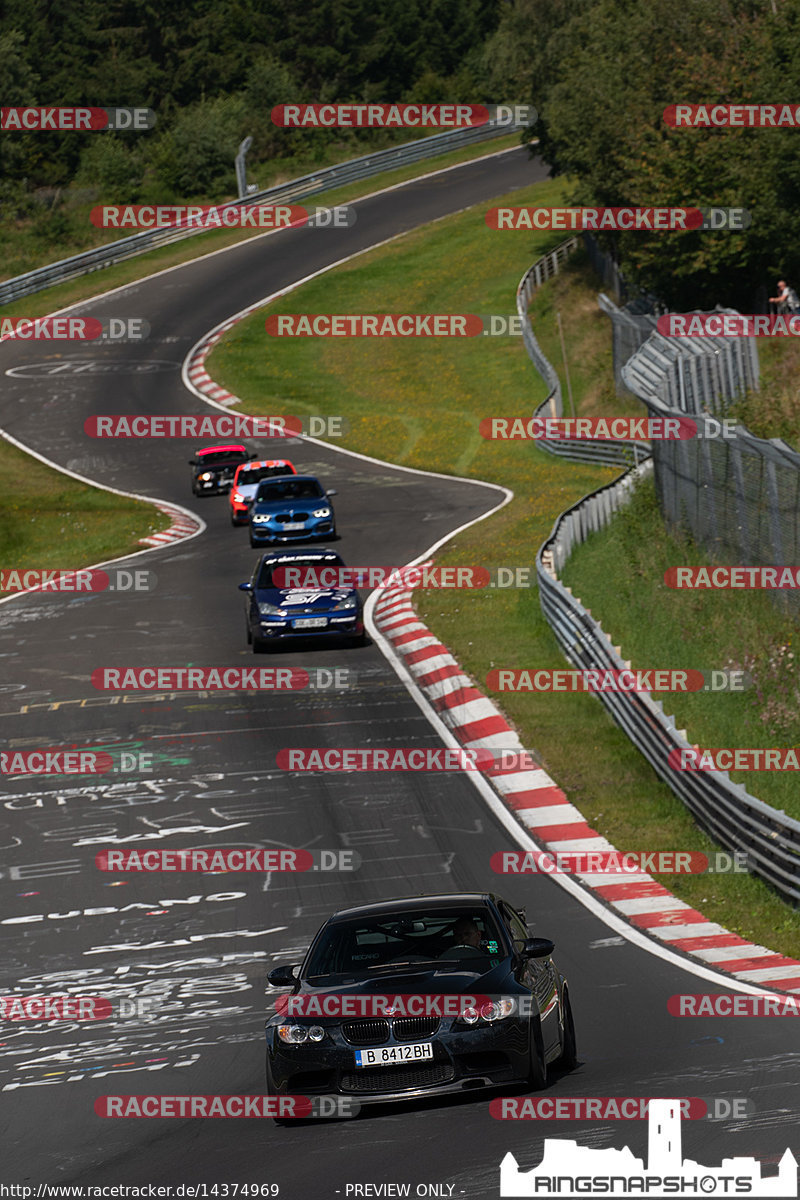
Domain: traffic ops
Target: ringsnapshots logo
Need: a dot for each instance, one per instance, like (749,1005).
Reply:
(212,861)
(81,581)
(567,1169)
(598,220)
(401,116)
(73,119)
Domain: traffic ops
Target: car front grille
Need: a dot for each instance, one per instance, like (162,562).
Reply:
(409,1029)
(285,518)
(366,1033)
(389,1079)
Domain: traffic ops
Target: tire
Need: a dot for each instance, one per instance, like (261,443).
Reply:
(253,543)
(272,1091)
(259,646)
(248,633)
(358,641)
(537,1068)
(568,1059)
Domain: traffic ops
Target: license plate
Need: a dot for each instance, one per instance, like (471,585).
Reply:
(389,1056)
(310,623)
(295,525)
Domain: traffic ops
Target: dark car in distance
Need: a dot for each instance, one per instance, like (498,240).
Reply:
(425,954)
(275,612)
(214,467)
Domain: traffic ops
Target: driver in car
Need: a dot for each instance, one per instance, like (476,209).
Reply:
(467,937)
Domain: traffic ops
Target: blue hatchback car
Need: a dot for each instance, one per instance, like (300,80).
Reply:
(275,613)
(291,508)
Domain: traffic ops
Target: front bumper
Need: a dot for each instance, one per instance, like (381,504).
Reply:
(348,627)
(463,1060)
(275,533)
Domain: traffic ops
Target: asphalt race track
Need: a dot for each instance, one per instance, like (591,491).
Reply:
(202,944)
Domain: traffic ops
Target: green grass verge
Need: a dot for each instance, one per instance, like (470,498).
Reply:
(159,259)
(383,388)
(51,521)
(705,630)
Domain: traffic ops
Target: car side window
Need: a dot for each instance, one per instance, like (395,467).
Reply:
(517,929)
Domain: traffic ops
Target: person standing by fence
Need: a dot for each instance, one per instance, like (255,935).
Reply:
(787,300)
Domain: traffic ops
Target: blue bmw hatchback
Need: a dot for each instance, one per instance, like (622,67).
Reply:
(291,508)
(274,613)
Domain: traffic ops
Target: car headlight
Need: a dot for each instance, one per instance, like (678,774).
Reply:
(238,497)
(321,512)
(270,610)
(295,1035)
(348,602)
(260,519)
(492,1010)
(206,476)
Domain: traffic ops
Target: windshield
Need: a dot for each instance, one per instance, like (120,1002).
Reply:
(365,946)
(290,489)
(249,475)
(315,563)
(215,457)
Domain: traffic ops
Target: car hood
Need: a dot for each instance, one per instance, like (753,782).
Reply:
(275,506)
(448,979)
(248,490)
(308,600)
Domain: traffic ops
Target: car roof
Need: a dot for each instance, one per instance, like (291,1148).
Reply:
(265,462)
(295,479)
(412,903)
(234,449)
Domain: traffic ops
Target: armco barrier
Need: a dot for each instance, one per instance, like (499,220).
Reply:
(307,185)
(737,820)
(601,453)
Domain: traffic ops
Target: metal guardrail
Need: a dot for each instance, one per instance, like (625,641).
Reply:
(296,189)
(733,817)
(600,453)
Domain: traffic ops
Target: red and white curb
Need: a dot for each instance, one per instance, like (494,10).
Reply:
(546,814)
(183,524)
(196,366)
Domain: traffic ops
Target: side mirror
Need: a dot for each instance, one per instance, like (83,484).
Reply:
(331,492)
(252,457)
(192,462)
(538,948)
(282,976)
(245,587)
